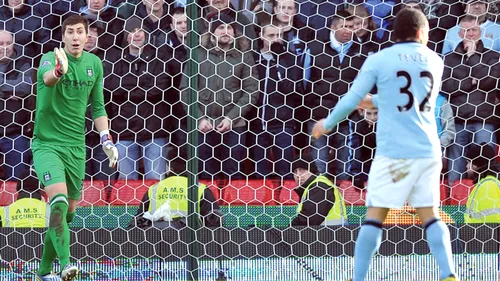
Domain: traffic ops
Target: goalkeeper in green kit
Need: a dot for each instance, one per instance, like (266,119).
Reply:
(68,79)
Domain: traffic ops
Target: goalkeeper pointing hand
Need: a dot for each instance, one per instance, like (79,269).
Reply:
(67,80)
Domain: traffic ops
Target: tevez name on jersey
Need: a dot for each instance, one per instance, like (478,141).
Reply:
(408,79)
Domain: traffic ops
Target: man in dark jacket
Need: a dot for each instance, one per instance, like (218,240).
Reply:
(140,107)
(31,24)
(470,80)
(296,34)
(16,100)
(176,38)
(227,90)
(174,53)
(280,85)
(336,63)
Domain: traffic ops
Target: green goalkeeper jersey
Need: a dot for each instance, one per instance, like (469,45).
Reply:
(60,109)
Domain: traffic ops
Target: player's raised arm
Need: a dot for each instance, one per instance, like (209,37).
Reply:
(53,66)
(360,88)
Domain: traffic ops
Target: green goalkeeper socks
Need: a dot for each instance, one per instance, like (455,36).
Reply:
(58,228)
(70,216)
(49,255)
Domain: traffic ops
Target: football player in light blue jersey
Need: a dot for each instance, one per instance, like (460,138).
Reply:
(407,163)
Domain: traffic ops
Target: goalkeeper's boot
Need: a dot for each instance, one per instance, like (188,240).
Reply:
(47,277)
(452,277)
(69,272)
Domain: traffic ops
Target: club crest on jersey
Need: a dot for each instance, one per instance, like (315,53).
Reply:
(46,176)
(90,73)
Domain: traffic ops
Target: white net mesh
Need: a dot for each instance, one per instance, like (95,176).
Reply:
(265,72)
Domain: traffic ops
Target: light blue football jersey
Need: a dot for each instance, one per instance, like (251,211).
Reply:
(408,79)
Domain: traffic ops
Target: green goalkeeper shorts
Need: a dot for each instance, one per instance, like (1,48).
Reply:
(56,164)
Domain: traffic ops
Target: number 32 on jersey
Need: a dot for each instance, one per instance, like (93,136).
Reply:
(424,105)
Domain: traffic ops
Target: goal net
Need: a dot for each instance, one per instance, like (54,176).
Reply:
(225,92)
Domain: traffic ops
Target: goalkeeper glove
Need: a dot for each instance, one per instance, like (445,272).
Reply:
(61,63)
(109,148)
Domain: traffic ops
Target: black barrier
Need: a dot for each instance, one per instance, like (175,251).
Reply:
(242,243)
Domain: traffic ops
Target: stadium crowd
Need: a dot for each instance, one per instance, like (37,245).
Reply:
(267,71)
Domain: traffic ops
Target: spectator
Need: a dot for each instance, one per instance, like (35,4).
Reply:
(470,79)
(296,34)
(176,46)
(102,11)
(174,52)
(365,29)
(154,17)
(97,10)
(165,204)
(96,166)
(321,202)
(336,63)
(17,102)
(280,85)
(363,143)
(227,89)
(490,31)
(216,8)
(29,209)
(176,38)
(30,25)
(139,108)
(483,204)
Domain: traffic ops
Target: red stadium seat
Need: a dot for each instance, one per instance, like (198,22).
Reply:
(93,194)
(444,197)
(287,195)
(129,192)
(8,193)
(351,194)
(460,192)
(251,192)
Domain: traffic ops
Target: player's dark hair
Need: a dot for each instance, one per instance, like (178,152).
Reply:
(407,24)
(75,19)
